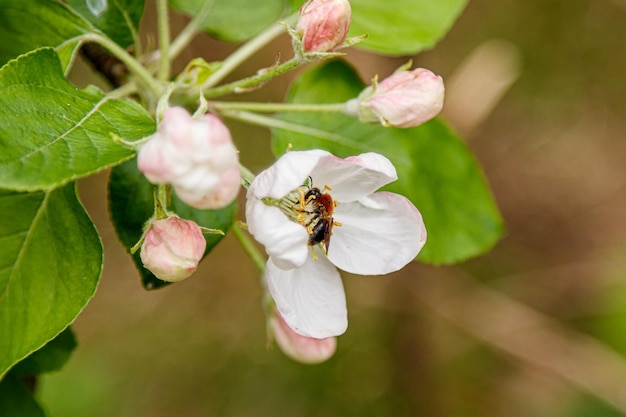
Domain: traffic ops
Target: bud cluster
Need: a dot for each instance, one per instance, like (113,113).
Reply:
(196,156)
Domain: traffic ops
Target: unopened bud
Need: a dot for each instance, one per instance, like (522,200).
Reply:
(196,156)
(301,348)
(172,248)
(405,99)
(324,24)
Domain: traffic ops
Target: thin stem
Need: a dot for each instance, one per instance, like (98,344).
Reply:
(123,91)
(138,49)
(133,65)
(272,122)
(161,200)
(187,34)
(247,50)
(277,107)
(246,176)
(163,22)
(253,81)
(249,246)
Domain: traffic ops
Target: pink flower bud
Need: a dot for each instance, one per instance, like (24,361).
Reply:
(301,348)
(196,156)
(324,24)
(172,248)
(405,99)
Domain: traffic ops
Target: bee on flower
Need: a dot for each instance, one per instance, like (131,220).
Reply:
(314,213)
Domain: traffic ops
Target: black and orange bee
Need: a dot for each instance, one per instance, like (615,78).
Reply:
(319,207)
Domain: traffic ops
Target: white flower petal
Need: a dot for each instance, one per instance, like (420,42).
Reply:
(285,241)
(355,177)
(311,299)
(378,234)
(288,173)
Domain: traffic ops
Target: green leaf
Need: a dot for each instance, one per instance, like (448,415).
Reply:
(29,24)
(234,20)
(119,19)
(50,265)
(52,132)
(67,52)
(51,357)
(402,27)
(132,205)
(436,170)
(16,400)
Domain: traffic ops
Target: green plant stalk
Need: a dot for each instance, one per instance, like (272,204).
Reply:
(261,77)
(161,201)
(123,91)
(247,50)
(138,49)
(249,246)
(163,23)
(272,122)
(246,176)
(189,32)
(277,107)
(131,63)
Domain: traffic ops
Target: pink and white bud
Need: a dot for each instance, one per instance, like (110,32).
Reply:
(323,24)
(196,156)
(301,348)
(172,248)
(405,99)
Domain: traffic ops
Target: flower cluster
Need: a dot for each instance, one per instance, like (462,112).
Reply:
(314,213)
(198,159)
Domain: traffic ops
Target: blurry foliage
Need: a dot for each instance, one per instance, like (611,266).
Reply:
(398,358)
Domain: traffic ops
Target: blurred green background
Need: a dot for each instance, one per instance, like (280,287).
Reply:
(535,328)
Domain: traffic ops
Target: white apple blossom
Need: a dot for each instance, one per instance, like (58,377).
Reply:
(373,233)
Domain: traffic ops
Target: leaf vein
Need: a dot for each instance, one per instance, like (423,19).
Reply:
(78,125)
(20,255)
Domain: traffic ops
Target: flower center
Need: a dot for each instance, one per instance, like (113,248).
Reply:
(313,209)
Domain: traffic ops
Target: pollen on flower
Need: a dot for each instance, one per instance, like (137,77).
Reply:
(313,209)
